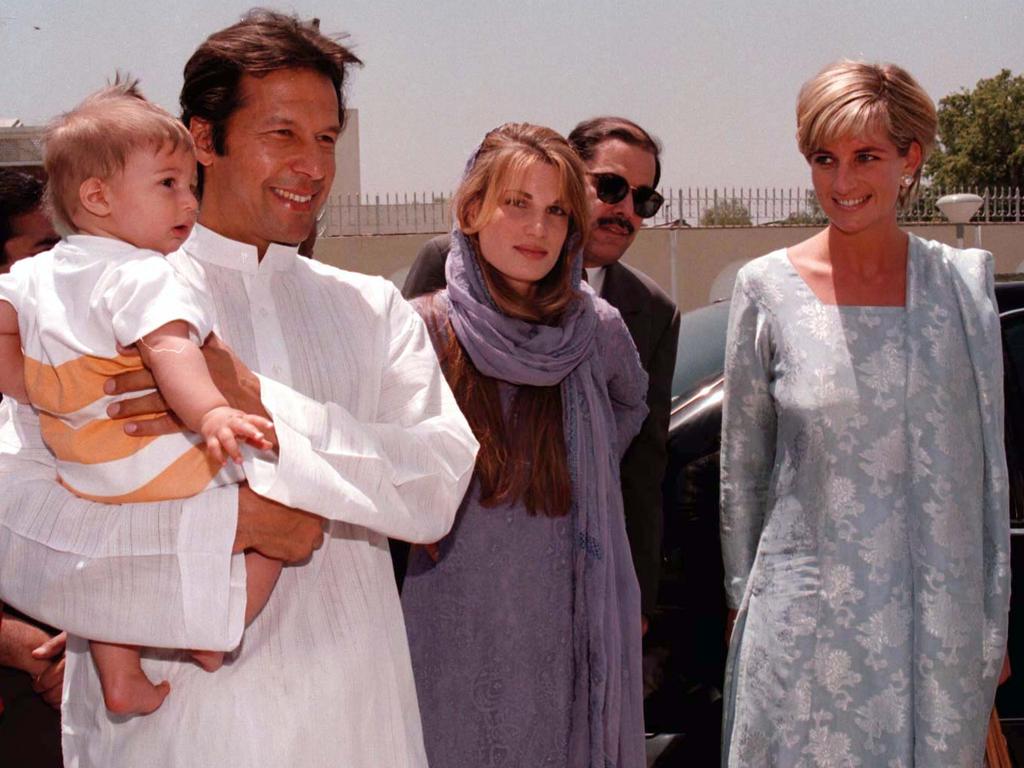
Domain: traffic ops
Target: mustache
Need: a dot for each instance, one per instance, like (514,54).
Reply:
(617,221)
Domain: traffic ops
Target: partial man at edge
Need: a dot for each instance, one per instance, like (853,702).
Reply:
(29,725)
(624,168)
(369,444)
(25,229)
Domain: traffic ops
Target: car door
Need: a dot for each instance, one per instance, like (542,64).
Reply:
(1010,698)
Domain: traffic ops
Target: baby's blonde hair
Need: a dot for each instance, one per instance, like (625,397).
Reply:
(853,97)
(95,139)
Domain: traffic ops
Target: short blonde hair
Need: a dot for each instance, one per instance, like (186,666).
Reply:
(500,162)
(853,97)
(96,138)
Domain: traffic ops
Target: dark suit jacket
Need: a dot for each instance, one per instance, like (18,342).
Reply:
(653,322)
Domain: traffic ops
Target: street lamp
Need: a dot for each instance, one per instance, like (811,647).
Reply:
(959,209)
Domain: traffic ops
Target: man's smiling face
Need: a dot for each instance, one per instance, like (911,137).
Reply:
(278,162)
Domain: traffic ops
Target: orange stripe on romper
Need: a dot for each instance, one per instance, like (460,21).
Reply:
(96,442)
(189,474)
(73,385)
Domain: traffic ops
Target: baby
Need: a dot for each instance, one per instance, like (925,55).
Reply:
(121,174)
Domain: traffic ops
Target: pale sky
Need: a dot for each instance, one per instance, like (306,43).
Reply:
(714,81)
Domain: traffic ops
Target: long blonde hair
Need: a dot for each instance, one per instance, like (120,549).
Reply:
(522,457)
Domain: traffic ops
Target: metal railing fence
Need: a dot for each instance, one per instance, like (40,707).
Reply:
(426,213)
(390,215)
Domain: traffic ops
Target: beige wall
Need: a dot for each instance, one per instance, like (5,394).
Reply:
(705,259)
(347,178)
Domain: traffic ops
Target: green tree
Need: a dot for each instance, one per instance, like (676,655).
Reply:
(981,135)
(730,212)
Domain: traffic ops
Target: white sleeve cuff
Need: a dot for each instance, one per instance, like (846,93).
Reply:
(292,413)
(296,476)
(213,580)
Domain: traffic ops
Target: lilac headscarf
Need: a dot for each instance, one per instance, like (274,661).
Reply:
(607,711)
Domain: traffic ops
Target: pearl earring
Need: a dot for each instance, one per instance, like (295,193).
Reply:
(906,180)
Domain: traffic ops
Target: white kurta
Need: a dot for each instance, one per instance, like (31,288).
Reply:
(370,438)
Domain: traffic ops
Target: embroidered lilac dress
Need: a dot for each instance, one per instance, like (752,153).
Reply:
(864,519)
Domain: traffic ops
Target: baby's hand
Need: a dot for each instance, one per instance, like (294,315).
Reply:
(222,426)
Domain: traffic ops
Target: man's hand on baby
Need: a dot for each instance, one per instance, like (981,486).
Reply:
(145,415)
(224,426)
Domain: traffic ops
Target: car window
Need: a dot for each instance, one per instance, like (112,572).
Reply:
(701,351)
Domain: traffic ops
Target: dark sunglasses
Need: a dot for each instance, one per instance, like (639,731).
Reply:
(611,188)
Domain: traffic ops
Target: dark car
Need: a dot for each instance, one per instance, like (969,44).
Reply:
(685,649)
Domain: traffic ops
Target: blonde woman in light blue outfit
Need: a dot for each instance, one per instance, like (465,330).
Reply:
(864,497)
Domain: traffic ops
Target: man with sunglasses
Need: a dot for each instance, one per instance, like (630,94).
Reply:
(624,168)
(623,171)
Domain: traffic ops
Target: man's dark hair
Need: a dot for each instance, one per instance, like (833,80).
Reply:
(20,193)
(262,42)
(586,137)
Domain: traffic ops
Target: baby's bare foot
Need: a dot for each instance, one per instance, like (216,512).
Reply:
(131,693)
(211,661)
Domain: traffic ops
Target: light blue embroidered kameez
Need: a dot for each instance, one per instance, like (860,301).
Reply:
(864,519)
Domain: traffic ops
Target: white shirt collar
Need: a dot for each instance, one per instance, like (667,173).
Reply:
(107,247)
(209,246)
(595,276)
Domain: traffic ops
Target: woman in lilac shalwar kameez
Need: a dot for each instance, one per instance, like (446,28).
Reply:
(524,622)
